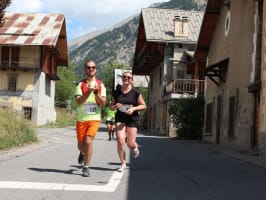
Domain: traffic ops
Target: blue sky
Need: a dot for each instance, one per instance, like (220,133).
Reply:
(84,16)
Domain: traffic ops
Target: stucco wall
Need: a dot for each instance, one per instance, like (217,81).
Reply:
(239,47)
(262,124)
(22,97)
(45,100)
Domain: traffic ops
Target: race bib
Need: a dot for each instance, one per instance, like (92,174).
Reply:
(90,109)
(124,107)
(109,118)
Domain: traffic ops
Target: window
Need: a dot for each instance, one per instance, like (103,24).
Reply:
(227,24)
(209,119)
(27,112)
(164,115)
(5,56)
(10,54)
(231,124)
(12,82)
(15,56)
(180,74)
(161,71)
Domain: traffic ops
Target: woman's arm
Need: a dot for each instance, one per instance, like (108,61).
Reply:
(141,106)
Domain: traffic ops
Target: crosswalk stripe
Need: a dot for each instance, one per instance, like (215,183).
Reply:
(109,187)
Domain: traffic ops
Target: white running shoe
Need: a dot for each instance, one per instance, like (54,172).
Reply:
(122,168)
(135,152)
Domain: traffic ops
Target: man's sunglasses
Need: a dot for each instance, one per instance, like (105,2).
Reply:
(91,67)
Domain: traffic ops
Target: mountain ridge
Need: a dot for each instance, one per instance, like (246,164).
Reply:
(117,44)
(76,42)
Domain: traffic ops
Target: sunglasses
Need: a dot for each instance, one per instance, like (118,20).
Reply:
(127,77)
(90,67)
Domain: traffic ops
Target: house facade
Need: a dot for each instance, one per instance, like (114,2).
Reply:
(164,50)
(31,48)
(231,44)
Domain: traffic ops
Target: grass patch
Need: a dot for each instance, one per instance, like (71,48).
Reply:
(14,130)
(63,119)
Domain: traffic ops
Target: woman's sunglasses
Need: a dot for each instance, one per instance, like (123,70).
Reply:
(127,77)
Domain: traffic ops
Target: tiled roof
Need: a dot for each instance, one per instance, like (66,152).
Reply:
(31,29)
(159,24)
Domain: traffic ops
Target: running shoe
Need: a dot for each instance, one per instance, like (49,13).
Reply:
(135,152)
(86,172)
(80,158)
(122,168)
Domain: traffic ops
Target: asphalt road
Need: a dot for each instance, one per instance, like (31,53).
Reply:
(166,169)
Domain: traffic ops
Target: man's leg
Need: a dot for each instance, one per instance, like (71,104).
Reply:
(80,139)
(88,148)
(88,145)
(113,131)
(81,150)
(109,131)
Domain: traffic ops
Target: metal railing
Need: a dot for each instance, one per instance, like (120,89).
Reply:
(181,86)
(23,63)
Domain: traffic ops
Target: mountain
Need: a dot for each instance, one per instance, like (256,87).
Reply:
(117,44)
(73,44)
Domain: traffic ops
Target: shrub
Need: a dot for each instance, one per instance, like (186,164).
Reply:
(14,130)
(187,115)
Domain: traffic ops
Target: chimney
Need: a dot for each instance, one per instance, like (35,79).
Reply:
(180,26)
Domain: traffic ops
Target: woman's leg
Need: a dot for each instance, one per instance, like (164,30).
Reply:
(131,133)
(120,137)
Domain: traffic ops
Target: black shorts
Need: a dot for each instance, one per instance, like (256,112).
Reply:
(130,121)
(110,122)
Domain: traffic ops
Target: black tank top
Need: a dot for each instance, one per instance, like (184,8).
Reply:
(130,98)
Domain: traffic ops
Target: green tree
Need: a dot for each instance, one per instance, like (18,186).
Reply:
(65,87)
(3,5)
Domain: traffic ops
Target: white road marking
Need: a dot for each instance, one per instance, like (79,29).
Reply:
(109,187)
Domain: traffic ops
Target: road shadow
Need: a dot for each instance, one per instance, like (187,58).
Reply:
(69,171)
(154,174)
(94,168)
(102,129)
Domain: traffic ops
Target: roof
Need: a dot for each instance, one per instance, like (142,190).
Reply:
(159,24)
(35,29)
(31,29)
(209,22)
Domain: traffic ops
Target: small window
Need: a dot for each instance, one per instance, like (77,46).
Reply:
(5,56)
(227,23)
(231,128)
(180,74)
(161,74)
(27,112)
(12,83)
(209,118)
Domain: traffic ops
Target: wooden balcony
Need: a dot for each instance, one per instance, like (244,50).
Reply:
(24,63)
(185,86)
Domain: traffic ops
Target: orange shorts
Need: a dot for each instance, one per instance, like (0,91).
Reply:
(89,128)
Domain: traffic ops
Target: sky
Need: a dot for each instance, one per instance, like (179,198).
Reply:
(84,16)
